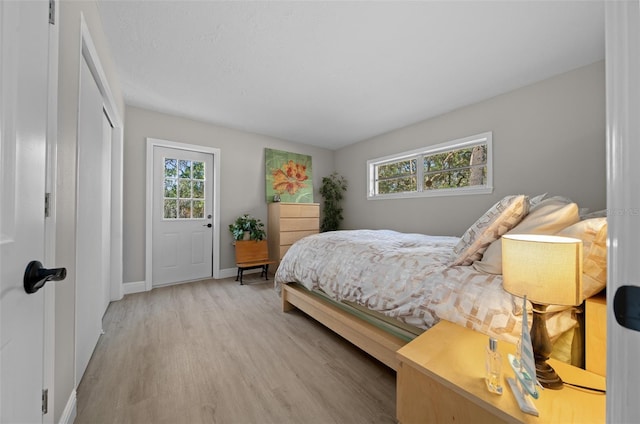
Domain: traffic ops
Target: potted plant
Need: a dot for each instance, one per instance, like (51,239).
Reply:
(246,227)
(331,189)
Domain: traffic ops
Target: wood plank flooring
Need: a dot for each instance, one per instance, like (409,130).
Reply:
(217,352)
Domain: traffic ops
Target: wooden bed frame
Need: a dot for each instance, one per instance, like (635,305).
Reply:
(373,340)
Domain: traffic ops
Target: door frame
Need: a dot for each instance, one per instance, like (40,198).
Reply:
(151,144)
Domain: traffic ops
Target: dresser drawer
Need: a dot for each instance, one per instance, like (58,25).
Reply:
(282,251)
(298,224)
(300,210)
(290,237)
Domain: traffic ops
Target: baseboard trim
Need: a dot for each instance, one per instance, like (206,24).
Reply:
(69,414)
(140,286)
(134,287)
(227,272)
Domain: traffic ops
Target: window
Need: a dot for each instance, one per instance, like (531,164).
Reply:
(183,189)
(455,167)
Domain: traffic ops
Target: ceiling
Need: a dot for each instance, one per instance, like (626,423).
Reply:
(332,73)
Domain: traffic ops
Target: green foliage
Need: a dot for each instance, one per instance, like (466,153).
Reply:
(331,190)
(458,168)
(246,222)
(398,177)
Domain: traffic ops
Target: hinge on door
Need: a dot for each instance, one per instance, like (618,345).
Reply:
(45,401)
(52,12)
(47,200)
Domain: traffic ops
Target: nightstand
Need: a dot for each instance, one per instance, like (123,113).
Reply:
(441,379)
(596,334)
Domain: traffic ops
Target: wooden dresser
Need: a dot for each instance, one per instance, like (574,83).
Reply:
(288,223)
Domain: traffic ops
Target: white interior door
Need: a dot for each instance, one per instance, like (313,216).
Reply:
(182,215)
(23,119)
(623,205)
(93,250)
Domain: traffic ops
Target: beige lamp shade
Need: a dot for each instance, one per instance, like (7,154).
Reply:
(547,269)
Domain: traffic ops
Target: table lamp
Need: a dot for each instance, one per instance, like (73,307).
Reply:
(548,271)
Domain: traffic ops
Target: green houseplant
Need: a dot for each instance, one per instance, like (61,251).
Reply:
(331,189)
(247,224)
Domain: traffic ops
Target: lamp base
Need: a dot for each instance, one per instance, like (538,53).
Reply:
(547,376)
(541,344)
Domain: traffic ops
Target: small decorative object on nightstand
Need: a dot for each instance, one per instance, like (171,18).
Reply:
(493,366)
(525,384)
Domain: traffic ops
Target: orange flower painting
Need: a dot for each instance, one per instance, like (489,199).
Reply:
(288,176)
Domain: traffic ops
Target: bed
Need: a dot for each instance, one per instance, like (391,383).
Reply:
(380,288)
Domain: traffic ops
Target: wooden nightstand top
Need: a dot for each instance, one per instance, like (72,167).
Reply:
(454,357)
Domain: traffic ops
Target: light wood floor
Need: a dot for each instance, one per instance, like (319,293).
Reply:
(218,352)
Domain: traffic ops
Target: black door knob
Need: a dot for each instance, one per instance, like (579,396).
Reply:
(35,276)
(626,307)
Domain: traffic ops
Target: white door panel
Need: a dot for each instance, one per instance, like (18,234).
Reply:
(23,119)
(623,202)
(182,210)
(90,217)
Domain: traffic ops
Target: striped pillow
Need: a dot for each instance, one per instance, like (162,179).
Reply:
(502,217)
(593,233)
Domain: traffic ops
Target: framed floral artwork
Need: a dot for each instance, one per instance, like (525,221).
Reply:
(288,177)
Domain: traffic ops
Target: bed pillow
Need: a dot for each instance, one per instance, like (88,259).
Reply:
(536,199)
(593,233)
(545,217)
(597,214)
(502,217)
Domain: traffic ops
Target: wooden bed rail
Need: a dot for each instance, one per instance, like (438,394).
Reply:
(373,340)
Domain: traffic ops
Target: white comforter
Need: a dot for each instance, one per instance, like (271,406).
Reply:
(408,277)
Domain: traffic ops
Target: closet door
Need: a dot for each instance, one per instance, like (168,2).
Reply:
(93,220)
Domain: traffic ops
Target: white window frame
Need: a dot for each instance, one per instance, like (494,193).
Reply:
(474,140)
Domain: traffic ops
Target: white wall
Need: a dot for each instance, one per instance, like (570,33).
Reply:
(547,137)
(242,176)
(68,84)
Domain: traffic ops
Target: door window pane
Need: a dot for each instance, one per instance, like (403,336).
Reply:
(170,209)
(184,208)
(198,209)
(170,188)
(198,189)
(184,169)
(185,189)
(170,167)
(198,170)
